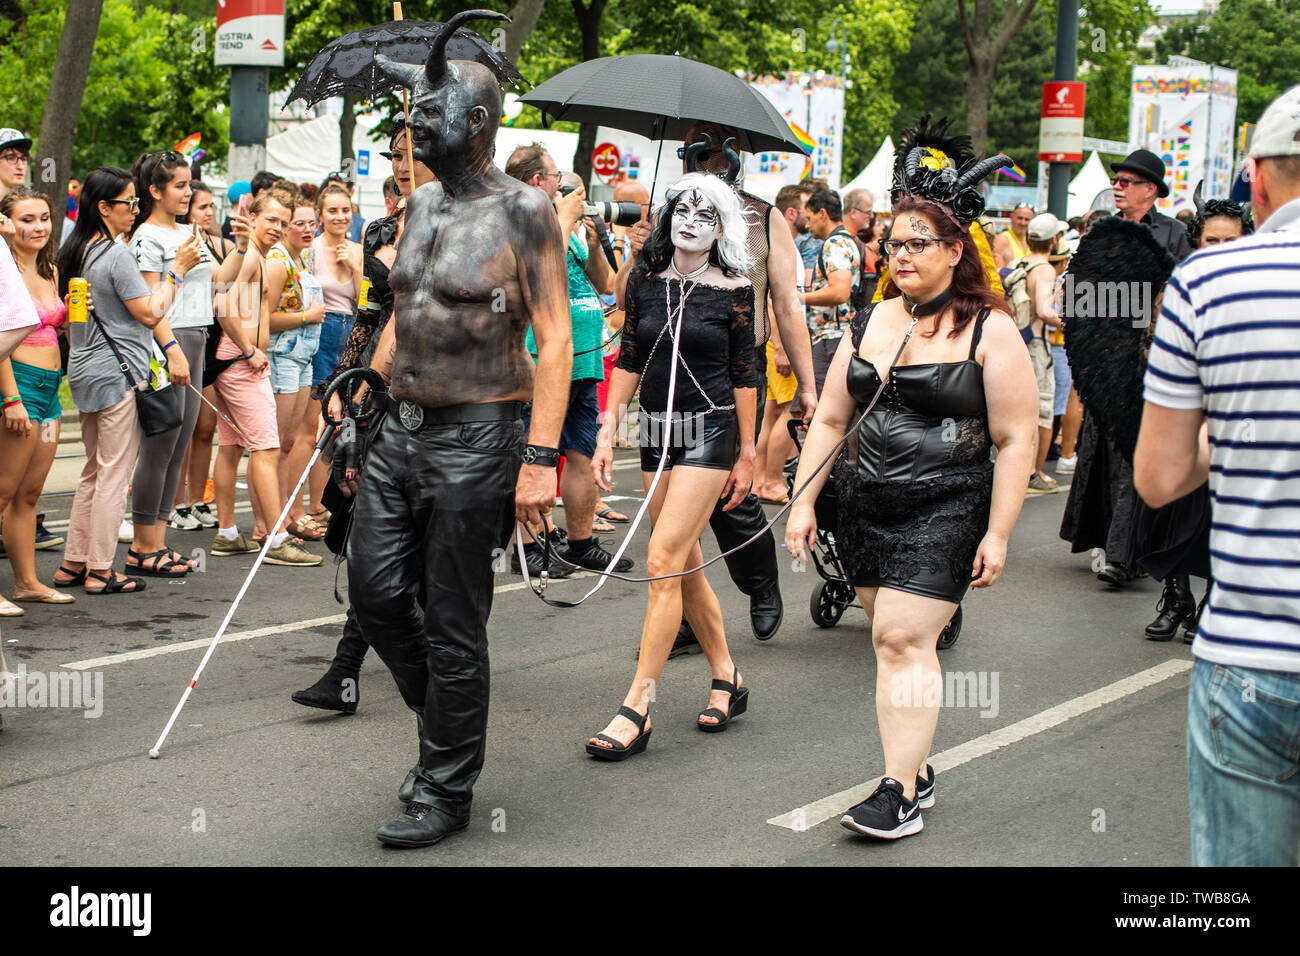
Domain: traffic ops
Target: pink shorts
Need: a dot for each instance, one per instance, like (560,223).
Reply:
(246,397)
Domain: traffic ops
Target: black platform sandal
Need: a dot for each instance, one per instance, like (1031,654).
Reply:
(159,568)
(738,704)
(115,585)
(620,751)
(78,578)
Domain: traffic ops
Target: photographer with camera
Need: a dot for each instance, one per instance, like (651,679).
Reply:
(589,274)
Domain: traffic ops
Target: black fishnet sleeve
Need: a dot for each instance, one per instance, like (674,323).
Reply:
(629,354)
(364,327)
(743,374)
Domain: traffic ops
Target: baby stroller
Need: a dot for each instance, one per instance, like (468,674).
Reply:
(833,594)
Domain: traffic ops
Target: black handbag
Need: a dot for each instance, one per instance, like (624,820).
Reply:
(158,411)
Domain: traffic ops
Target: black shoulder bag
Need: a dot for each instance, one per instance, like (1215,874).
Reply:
(157,410)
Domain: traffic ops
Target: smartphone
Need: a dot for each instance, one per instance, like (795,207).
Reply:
(245,201)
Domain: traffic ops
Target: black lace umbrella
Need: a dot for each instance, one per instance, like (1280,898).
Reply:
(1110,293)
(347,65)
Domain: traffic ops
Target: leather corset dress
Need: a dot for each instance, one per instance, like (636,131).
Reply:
(914,488)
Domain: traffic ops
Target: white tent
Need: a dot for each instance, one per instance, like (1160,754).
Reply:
(876,178)
(1090,182)
(308,153)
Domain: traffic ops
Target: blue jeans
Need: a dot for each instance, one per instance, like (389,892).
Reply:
(1243,766)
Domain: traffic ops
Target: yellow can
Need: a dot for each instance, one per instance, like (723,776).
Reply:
(77,300)
(363,301)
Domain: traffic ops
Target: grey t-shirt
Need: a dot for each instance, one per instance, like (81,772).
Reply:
(94,377)
(155,250)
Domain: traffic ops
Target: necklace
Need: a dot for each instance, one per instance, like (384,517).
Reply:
(930,306)
(672,264)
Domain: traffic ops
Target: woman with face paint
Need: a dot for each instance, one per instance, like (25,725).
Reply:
(688,292)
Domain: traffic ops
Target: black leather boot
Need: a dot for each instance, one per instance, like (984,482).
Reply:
(1193,623)
(338,690)
(1176,606)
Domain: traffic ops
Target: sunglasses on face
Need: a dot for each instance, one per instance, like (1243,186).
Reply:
(1127,181)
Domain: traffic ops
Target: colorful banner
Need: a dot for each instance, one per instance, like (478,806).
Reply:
(1186,115)
(250,33)
(814,108)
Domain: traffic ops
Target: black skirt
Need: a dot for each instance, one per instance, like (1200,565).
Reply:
(914,536)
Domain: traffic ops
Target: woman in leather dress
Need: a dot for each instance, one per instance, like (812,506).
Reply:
(923,513)
(692,272)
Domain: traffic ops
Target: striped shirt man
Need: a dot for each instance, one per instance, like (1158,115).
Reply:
(1228,342)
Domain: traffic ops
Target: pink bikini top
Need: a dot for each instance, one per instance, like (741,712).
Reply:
(46,333)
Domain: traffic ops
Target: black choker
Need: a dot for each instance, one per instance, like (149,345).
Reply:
(917,309)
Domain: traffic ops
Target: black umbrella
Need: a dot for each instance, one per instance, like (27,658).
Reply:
(347,65)
(662,97)
(1118,271)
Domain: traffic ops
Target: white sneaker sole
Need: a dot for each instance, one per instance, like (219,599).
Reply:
(914,825)
(926,802)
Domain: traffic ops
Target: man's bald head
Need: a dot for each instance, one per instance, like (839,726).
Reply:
(631,191)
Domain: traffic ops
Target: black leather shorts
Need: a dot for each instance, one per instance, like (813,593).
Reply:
(696,440)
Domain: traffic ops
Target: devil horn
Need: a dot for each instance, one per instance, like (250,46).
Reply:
(1196,198)
(693,151)
(404,73)
(980,170)
(914,157)
(733,161)
(436,66)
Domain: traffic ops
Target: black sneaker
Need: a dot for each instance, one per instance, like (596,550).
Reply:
(533,554)
(595,558)
(685,643)
(885,814)
(925,789)
(44,539)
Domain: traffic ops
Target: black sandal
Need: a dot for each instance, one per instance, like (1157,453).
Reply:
(738,704)
(620,751)
(160,569)
(115,585)
(78,578)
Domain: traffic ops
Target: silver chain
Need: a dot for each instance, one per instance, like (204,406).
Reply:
(678,317)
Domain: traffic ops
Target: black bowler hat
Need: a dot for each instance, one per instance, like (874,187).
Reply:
(1147,165)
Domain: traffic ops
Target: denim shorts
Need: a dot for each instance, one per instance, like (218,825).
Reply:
(581,420)
(334,332)
(1061,369)
(39,388)
(291,354)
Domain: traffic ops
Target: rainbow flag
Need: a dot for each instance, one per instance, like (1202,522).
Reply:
(1014,172)
(189,148)
(807,142)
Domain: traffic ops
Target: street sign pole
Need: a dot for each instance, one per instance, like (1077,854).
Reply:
(1067,46)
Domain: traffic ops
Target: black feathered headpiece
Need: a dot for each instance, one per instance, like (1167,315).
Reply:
(931,163)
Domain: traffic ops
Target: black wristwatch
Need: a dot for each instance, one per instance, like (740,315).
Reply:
(541,455)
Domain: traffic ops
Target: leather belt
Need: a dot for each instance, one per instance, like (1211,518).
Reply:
(414,417)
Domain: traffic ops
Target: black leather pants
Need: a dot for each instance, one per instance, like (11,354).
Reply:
(754,568)
(431,507)
(352,646)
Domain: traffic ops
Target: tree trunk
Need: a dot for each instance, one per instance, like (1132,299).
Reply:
(347,128)
(53,165)
(589,24)
(523,18)
(982,55)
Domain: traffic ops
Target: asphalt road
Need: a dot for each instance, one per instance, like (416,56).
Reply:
(1079,758)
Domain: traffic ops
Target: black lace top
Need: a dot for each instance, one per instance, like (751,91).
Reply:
(716,351)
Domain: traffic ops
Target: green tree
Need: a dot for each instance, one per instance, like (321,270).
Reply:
(1260,39)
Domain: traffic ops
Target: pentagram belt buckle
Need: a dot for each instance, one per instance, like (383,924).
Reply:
(410,415)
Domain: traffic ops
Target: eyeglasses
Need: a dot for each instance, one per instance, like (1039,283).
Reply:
(702,156)
(914,247)
(133,203)
(1127,181)
(865,212)
(15,156)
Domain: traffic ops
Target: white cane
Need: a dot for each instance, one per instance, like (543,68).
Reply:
(266,546)
(373,380)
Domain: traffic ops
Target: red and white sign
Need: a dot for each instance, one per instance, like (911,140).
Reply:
(250,33)
(1060,131)
(605,161)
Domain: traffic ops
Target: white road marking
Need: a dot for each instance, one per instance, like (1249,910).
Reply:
(124,657)
(809,816)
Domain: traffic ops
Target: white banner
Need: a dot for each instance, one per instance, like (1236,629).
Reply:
(250,33)
(1186,115)
(813,106)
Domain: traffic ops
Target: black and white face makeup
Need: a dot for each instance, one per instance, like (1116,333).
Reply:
(696,225)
